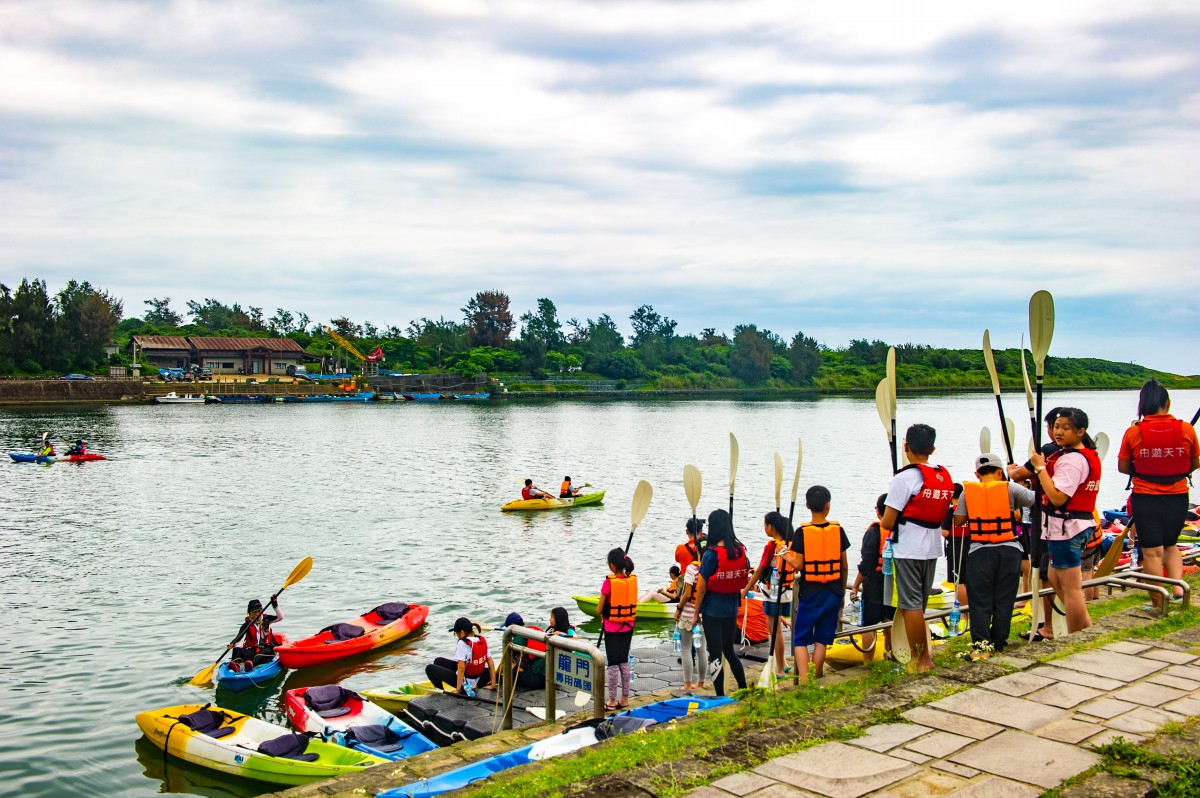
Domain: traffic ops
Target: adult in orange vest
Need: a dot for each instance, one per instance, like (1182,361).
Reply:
(993,561)
(618,608)
(1070,482)
(1159,452)
(818,554)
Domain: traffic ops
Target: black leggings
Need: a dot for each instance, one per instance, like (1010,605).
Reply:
(722,635)
(444,673)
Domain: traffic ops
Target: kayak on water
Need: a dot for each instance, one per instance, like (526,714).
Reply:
(238,744)
(647,609)
(551,503)
(570,740)
(383,625)
(334,711)
(395,699)
(20,457)
(239,681)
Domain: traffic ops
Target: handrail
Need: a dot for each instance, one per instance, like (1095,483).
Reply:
(576,644)
(1165,580)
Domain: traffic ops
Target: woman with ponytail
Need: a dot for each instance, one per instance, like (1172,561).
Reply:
(724,569)
(1070,482)
(618,608)
(1159,452)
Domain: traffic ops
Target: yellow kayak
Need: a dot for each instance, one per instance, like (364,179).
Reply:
(550,503)
(395,699)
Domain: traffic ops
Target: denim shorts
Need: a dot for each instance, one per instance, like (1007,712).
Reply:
(1067,553)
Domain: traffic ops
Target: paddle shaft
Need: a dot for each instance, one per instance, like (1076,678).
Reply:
(246,628)
(788,534)
(1196,417)
(1004,430)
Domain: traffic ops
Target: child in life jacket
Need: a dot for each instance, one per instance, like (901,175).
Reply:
(618,608)
(668,592)
(471,661)
(258,644)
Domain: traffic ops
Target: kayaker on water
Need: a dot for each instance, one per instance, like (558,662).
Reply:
(566,490)
(47,449)
(80,447)
(530,492)
(471,661)
(258,645)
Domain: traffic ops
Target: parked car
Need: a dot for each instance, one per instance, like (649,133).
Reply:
(77,377)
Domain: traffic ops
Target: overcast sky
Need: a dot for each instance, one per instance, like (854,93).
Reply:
(904,171)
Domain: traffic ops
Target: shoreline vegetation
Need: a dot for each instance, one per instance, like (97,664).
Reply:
(45,335)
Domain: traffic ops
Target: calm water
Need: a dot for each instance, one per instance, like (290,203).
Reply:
(121,579)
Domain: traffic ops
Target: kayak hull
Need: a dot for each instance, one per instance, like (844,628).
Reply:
(241,681)
(362,713)
(654,610)
(20,457)
(582,500)
(237,753)
(395,699)
(322,648)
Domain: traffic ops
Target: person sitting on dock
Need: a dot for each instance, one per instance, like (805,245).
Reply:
(528,670)
(258,647)
(530,492)
(471,661)
(560,623)
(566,490)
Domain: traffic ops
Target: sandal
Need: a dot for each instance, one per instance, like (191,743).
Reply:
(611,706)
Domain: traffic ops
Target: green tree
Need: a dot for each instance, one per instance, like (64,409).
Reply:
(805,356)
(215,316)
(603,337)
(750,360)
(543,324)
(99,315)
(489,319)
(33,338)
(160,313)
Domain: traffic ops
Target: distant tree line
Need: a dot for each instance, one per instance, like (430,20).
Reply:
(70,329)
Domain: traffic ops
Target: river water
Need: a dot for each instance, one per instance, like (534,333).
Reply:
(121,579)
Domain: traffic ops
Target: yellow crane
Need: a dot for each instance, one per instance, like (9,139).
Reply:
(370,362)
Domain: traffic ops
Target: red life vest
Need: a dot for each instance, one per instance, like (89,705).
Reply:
(822,552)
(1163,457)
(731,574)
(1083,503)
(526,494)
(928,508)
(479,656)
(533,645)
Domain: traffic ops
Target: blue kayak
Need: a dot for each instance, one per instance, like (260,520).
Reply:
(241,681)
(401,741)
(568,741)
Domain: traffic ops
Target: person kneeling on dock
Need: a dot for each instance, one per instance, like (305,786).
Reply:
(471,661)
(818,555)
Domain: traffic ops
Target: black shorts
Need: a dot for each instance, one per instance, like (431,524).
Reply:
(1159,519)
(874,612)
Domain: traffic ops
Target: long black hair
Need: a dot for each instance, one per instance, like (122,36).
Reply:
(559,621)
(618,560)
(1079,420)
(720,531)
(779,522)
(1152,399)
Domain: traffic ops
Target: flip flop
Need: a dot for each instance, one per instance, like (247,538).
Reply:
(611,706)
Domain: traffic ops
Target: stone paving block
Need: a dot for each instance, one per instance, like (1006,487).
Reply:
(953,723)
(837,770)
(957,770)
(996,787)
(1167,680)
(742,783)
(939,744)
(886,736)
(910,756)
(927,784)
(1064,695)
(1185,706)
(782,791)
(1106,708)
(1126,647)
(997,708)
(1020,663)
(1189,672)
(1023,757)
(707,791)
(1075,677)
(1106,785)
(1143,720)
(1148,695)
(1070,731)
(1111,735)
(1167,655)
(1111,664)
(1018,684)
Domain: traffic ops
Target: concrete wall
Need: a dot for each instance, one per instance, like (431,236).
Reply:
(33,391)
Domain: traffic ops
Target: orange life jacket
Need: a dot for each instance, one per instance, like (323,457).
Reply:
(1083,503)
(787,572)
(731,574)
(882,540)
(479,656)
(989,512)
(822,552)
(564,490)
(622,599)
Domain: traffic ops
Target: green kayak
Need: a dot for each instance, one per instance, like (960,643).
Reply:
(654,610)
(582,500)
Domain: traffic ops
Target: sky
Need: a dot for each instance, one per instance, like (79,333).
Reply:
(905,171)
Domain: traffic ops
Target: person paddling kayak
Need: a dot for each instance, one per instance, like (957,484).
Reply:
(567,490)
(47,449)
(258,646)
(531,492)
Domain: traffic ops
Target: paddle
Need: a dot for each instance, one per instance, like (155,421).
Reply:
(691,486)
(1041,331)
(637,511)
(1033,419)
(884,406)
(891,378)
(1109,563)
(1102,444)
(990,360)
(733,464)
(985,440)
(204,677)
(767,677)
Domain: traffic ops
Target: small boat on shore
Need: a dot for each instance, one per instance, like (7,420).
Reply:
(395,699)
(354,721)
(174,399)
(233,400)
(472,397)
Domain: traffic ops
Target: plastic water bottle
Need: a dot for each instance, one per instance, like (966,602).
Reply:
(676,641)
(858,612)
(470,691)
(632,669)
(774,585)
(955,618)
(887,558)
(697,633)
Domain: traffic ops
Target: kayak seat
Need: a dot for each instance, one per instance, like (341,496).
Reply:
(621,724)
(392,611)
(344,631)
(329,700)
(288,746)
(378,737)
(207,722)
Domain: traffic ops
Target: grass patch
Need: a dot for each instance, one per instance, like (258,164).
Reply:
(1123,758)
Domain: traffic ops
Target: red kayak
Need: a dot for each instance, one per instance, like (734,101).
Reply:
(383,625)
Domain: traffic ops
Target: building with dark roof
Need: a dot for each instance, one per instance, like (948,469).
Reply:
(269,356)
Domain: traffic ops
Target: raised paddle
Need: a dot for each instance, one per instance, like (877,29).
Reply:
(985,440)
(891,378)
(1033,419)
(691,486)
(1102,444)
(204,677)
(637,511)
(1109,563)
(990,360)
(1041,332)
(767,677)
(733,464)
(883,404)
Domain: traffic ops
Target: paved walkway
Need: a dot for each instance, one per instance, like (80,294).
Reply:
(1012,737)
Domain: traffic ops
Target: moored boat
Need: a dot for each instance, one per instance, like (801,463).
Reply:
(648,609)
(382,626)
(395,699)
(174,399)
(356,722)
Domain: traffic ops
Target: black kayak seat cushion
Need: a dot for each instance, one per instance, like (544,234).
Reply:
(207,722)
(288,746)
(621,724)
(391,611)
(377,737)
(344,631)
(329,700)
